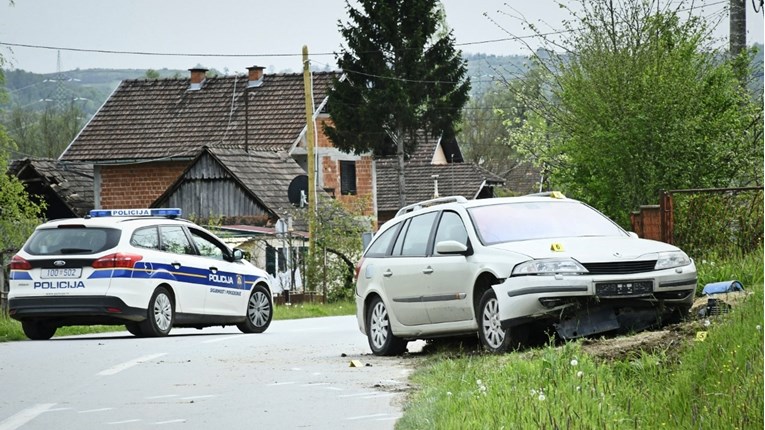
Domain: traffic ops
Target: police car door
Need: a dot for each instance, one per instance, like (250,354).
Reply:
(188,275)
(227,292)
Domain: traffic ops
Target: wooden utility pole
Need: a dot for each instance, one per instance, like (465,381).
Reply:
(737,27)
(309,139)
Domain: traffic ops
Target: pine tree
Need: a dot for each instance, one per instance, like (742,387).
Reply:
(402,75)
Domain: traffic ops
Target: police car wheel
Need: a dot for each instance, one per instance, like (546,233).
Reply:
(161,314)
(134,329)
(38,330)
(260,310)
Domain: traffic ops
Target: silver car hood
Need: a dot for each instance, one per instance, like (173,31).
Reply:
(588,249)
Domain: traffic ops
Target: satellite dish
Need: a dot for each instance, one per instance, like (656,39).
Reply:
(297,193)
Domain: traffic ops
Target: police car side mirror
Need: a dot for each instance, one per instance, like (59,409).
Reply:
(237,255)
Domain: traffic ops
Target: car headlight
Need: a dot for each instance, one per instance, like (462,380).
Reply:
(668,260)
(549,266)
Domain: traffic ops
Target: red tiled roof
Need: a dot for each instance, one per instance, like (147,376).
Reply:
(148,119)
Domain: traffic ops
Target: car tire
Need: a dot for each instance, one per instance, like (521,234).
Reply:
(382,341)
(493,337)
(38,330)
(160,314)
(134,329)
(260,311)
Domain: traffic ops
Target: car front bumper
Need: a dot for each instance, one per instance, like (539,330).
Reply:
(580,305)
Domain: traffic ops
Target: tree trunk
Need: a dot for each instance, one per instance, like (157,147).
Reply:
(400,157)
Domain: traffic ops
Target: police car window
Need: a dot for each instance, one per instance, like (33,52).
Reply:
(206,246)
(416,240)
(145,238)
(380,246)
(451,228)
(174,240)
(72,240)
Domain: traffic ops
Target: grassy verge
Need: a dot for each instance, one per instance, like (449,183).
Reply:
(10,329)
(716,383)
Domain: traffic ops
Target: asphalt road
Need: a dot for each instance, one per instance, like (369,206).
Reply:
(293,376)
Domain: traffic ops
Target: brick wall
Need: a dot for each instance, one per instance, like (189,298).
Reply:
(330,173)
(137,185)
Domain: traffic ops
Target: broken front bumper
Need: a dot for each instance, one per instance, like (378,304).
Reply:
(581,305)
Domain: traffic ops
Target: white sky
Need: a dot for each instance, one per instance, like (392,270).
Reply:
(256,28)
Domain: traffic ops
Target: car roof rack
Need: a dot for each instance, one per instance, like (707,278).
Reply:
(553,194)
(432,202)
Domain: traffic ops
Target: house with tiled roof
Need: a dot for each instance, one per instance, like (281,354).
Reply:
(144,139)
(436,168)
(65,188)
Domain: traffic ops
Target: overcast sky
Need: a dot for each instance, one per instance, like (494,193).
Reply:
(267,33)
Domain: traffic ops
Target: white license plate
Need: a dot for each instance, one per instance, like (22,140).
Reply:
(73,272)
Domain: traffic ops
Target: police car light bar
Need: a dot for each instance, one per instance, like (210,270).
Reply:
(165,212)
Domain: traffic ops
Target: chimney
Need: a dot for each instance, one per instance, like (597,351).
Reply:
(197,78)
(255,76)
(435,186)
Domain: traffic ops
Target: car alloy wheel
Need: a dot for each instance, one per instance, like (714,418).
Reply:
(163,312)
(381,337)
(493,332)
(259,311)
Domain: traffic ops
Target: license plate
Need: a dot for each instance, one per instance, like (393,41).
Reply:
(70,272)
(634,288)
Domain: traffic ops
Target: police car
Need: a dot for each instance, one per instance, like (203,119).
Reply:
(144,268)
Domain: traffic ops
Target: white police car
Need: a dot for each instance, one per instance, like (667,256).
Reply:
(143,268)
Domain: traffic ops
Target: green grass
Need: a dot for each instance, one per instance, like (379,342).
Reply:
(712,384)
(10,329)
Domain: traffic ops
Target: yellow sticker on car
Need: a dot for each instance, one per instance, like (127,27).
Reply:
(556,247)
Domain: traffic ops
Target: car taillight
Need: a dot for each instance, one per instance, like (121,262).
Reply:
(119,259)
(358,268)
(18,263)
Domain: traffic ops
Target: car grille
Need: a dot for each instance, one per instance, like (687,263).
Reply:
(620,267)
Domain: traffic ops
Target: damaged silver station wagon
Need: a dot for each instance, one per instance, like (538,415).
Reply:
(503,267)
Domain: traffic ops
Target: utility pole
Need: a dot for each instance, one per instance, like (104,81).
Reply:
(737,27)
(309,138)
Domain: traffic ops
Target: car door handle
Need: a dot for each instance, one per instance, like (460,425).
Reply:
(388,273)
(176,265)
(428,270)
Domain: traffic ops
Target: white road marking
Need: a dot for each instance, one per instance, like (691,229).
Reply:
(90,411)
(276,384)
(128,364)
(206,396)
(316,373)
(333,388)
(379,395)
(166,396)
(221,339)
(356,395)
(159,423)
(123,422)
(296,369)
(58,409)
(364,417)
(389,418)
(318,384)
(22,417)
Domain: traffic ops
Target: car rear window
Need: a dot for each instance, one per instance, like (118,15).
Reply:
(511,222)
(72,240)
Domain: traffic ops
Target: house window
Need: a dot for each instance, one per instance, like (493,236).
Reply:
(347,177)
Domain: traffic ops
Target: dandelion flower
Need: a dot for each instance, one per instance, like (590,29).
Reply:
(707,323)
(478,382)
(579,374)
(542,397)
(759,327)
(533,392)
(578,388)
(574,362)
(449,393)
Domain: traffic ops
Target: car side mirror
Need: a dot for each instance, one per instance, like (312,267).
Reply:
(451,247)
(237,255)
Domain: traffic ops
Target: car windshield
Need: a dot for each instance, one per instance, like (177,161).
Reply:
(72,240)
(510,222)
